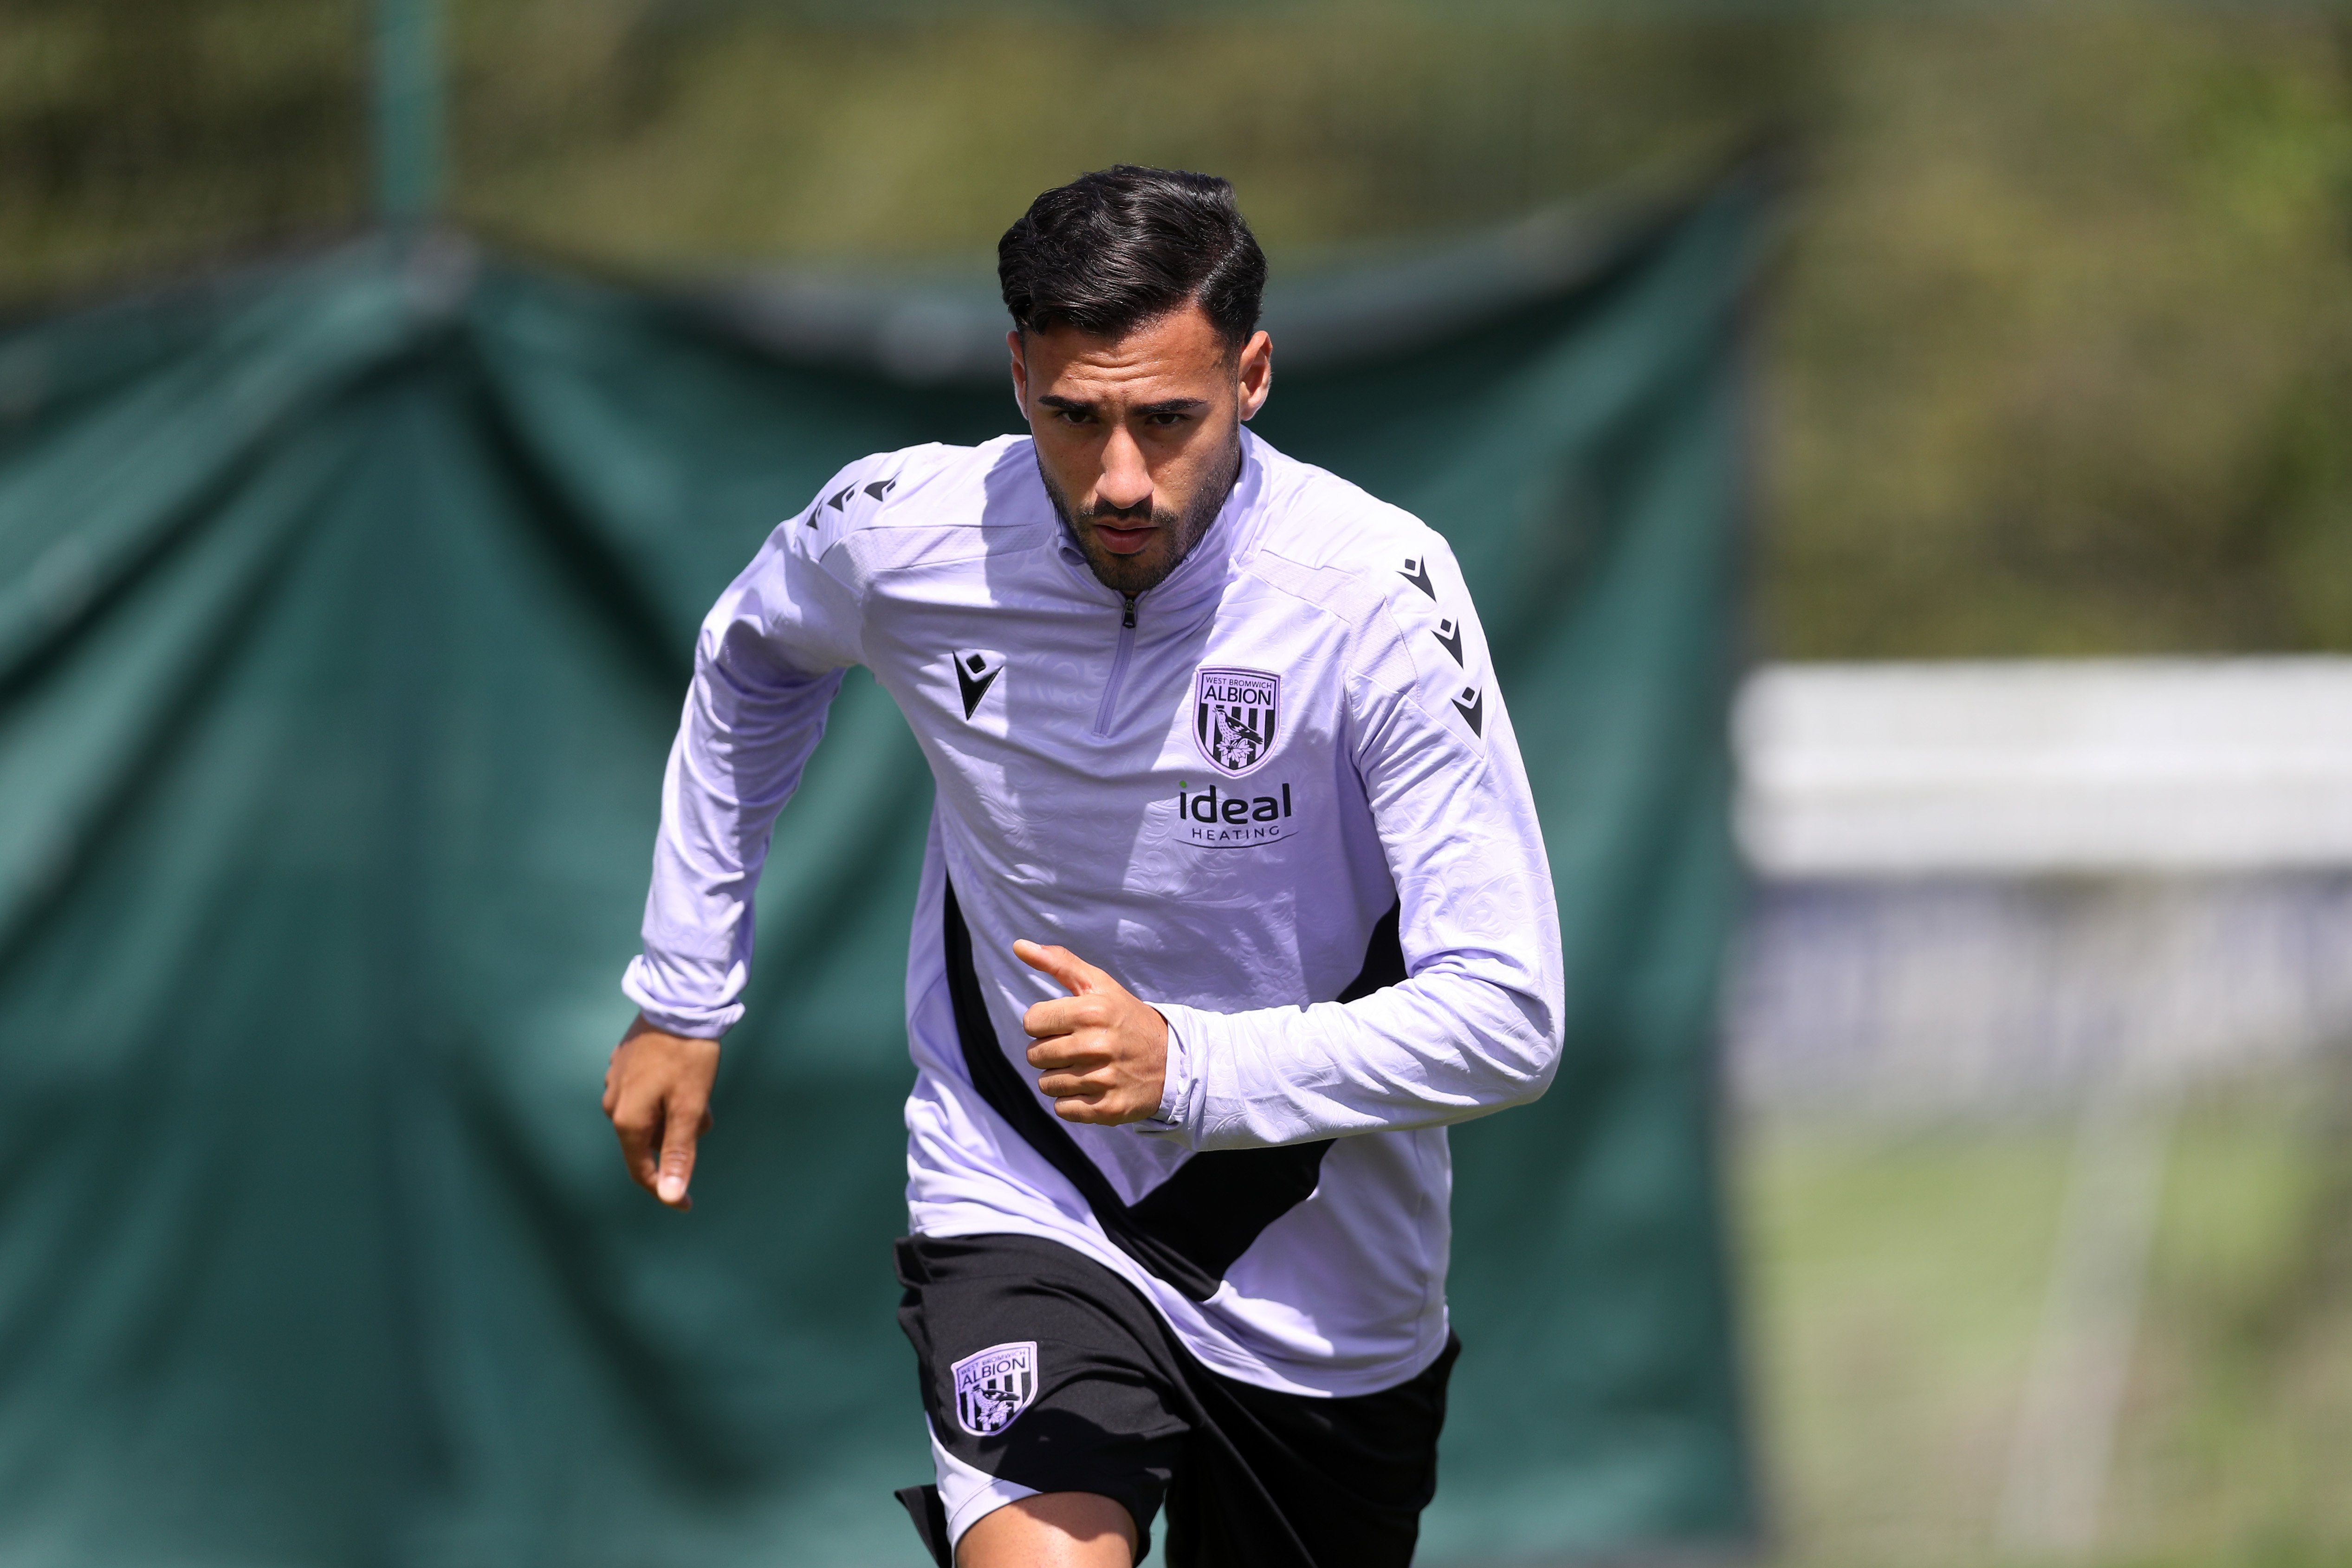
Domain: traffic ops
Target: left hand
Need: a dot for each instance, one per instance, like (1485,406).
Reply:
(1103,1053)
(658,1092)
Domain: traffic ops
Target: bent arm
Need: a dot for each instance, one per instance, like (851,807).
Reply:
(1474,1029)
(767,665)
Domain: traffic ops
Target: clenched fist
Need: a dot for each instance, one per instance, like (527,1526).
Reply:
(1102,1054)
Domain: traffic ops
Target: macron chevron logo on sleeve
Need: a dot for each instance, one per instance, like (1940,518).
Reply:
(839,499)
(1449,638)
(1472,707)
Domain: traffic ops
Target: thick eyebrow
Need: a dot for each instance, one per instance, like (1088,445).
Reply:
(1165,405)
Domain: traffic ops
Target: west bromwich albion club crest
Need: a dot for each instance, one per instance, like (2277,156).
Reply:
(996,1385)
(1234,717)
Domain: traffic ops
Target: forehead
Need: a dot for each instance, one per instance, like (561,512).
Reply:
(1177,354)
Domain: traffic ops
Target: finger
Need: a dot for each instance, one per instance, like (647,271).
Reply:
(1060,1088)
(1097,1111)
(635,1126)
(1064,1016)
(1047,1020)
(679,1132)
(1078,1053)
(1095,1071)
(1074,974)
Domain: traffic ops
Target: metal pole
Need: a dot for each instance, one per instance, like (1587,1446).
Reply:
(2065,1439)
(408,112)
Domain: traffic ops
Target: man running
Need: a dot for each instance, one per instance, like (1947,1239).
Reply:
(1233,899)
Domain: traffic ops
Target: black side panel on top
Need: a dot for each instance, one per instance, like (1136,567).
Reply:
(1001,1085)
(1384,959)
(1189,1228)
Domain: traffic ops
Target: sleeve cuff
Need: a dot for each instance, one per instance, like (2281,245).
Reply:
(694,1024)
(1176,1091)
(1180,1097)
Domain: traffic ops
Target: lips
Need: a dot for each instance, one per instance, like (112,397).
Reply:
(1123,540)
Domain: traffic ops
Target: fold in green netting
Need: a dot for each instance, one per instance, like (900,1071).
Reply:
(345,609)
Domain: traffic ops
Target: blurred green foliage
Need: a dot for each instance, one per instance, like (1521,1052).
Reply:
(2058,359)
(2062,360)
(138,137)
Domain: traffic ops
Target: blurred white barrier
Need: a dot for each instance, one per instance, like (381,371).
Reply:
(1985,886)
(2017,768)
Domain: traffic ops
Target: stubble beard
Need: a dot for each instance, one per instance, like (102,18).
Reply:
(1139,574)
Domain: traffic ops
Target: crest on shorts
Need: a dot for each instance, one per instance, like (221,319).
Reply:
(995,1386)
(1234,717)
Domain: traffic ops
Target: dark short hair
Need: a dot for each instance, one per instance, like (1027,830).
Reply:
(1124,246)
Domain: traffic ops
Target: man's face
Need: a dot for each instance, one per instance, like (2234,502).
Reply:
(1138,437)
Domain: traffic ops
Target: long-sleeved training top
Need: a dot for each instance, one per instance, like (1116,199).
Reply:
(1276,796)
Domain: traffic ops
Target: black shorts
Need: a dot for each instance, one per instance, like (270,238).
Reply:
(1042,1368)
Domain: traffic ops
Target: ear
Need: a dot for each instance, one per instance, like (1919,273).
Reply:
(1020,373)
(1256,373)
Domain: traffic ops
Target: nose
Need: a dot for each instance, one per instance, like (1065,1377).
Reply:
(1126,482)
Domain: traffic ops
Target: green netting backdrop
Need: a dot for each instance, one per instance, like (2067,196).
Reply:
(346,607)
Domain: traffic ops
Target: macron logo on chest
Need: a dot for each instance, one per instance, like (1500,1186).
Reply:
(976,670)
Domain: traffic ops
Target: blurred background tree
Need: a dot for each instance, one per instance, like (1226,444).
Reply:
(2057,361)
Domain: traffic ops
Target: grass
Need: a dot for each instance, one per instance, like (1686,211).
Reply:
(1896,1279)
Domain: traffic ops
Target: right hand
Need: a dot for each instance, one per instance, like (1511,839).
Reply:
(658,1092)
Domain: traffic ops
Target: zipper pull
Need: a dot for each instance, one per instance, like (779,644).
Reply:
(1128,623)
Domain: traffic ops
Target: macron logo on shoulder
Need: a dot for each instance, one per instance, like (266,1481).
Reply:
(839,499)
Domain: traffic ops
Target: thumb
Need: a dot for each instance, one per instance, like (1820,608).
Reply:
(1074,974)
